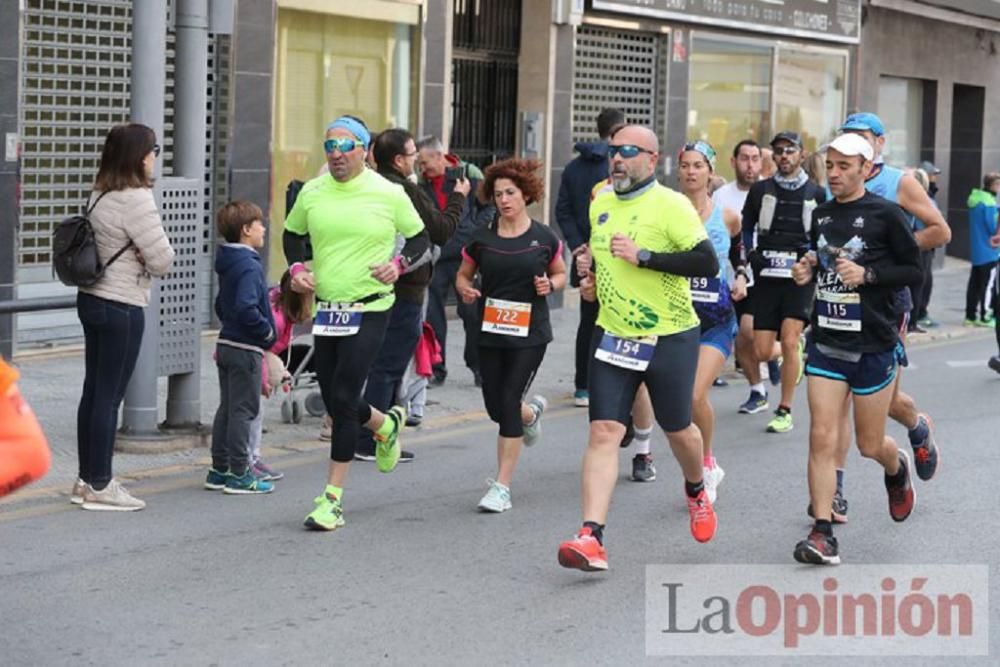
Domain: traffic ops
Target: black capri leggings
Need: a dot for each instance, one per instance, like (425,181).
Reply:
(669,378)
(507,374)
(342,364)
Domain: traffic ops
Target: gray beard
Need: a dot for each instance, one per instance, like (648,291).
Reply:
(621,184)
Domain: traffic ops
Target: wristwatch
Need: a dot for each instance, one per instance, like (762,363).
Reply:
(644,256)
(870,277)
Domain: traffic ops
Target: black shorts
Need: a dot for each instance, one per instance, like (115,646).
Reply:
(744,307)
(669,378)
(778,299)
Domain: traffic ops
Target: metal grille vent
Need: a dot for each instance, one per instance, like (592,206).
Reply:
(180,205)
(613,68)
(75,85)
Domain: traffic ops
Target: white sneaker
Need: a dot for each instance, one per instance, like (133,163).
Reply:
(532,431)
(713,477)
(76,495)
(497,499)
(112,498)
(326,430)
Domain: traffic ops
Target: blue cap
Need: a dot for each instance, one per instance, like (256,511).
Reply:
(864,122)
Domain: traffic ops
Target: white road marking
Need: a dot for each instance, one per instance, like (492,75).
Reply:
(966,364)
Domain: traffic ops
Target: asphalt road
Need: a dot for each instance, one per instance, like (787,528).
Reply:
(418,576)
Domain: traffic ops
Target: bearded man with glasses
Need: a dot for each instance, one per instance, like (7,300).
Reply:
(780,209)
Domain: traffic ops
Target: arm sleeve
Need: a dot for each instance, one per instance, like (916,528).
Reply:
(737,257)
(295,246)
(907,269)
(146,231)
(750,214)
(424,258)
(566,214)
(698,262)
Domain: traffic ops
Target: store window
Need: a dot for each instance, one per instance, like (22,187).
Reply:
(750,89)
(900,106)
(730,94)
(327,66)
(809,94)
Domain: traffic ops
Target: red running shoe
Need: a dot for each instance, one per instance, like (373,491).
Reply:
(703,521)
(901,497)
(583,552)
(818,549)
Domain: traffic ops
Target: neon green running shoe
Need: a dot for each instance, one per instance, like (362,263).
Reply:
(328,515)
(782,422)
(802,360)
(387,449)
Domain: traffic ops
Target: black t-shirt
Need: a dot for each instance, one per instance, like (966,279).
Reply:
(507,267)
(872,232)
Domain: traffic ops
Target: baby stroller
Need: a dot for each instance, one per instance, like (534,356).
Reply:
(303,395)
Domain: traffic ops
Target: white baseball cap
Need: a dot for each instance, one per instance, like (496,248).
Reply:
(851,144)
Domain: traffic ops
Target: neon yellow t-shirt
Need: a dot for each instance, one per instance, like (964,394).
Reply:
(352,226)
(643,302)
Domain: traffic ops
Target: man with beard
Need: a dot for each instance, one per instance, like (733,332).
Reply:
(779,210)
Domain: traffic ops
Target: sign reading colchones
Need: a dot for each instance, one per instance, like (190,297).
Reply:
(832,20)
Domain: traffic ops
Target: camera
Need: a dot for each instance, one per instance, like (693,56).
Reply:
(456,173)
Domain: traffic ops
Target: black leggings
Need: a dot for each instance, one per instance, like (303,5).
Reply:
(342,364)
(507,374)
(975,293)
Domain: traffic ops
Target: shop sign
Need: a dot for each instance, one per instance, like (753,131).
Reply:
(831,20)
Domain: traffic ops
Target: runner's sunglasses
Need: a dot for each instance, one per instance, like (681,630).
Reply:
(341,144)
(627,151)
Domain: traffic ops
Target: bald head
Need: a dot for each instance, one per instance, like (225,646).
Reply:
(637,135)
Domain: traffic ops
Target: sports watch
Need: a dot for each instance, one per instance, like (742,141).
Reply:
(644,256)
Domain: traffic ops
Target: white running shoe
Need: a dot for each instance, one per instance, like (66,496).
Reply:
(112,498)
(713,477)
(76,495)
(534,430)
(497,498)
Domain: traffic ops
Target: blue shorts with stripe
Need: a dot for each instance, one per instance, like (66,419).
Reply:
(870,374)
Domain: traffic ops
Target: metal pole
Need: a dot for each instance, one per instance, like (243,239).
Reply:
(149,57)
(190,125)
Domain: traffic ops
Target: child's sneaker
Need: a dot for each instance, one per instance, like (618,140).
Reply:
(266,472)
(247,484)
(216,479)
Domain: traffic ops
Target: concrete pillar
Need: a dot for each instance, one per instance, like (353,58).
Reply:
(149,20)
(435,116)
(190,126)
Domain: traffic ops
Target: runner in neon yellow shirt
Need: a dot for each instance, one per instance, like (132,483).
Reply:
(646,240)
(352,218)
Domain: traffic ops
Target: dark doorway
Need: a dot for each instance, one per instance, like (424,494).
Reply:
(967,114)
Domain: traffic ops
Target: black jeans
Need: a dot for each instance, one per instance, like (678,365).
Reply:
(342,366)
(401,338)
(443,284)
(507,375)
(975,292)
(112,333)
(584,332)
(239,405)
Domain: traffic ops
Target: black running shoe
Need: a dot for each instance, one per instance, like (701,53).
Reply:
(839,513)
(818,549)
(642,468)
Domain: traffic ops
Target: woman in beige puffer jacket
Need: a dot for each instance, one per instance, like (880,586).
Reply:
(111,311)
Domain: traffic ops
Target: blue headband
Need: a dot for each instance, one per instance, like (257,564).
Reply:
(359,131)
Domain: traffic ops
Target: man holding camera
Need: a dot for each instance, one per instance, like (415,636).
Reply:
(441,173)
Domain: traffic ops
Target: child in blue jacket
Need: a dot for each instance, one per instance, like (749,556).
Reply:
(982,226)
(244,309)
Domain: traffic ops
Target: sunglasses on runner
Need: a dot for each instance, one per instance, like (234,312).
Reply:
(342,144)
(156,150)
(627,151)
(784,150)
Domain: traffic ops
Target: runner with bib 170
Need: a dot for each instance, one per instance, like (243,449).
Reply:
(713,297)
(646,241)
(520,263)
(352,217)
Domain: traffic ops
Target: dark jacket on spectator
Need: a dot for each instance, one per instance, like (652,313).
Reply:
(242,304)
(578,180)
(439,226)
(474,214)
